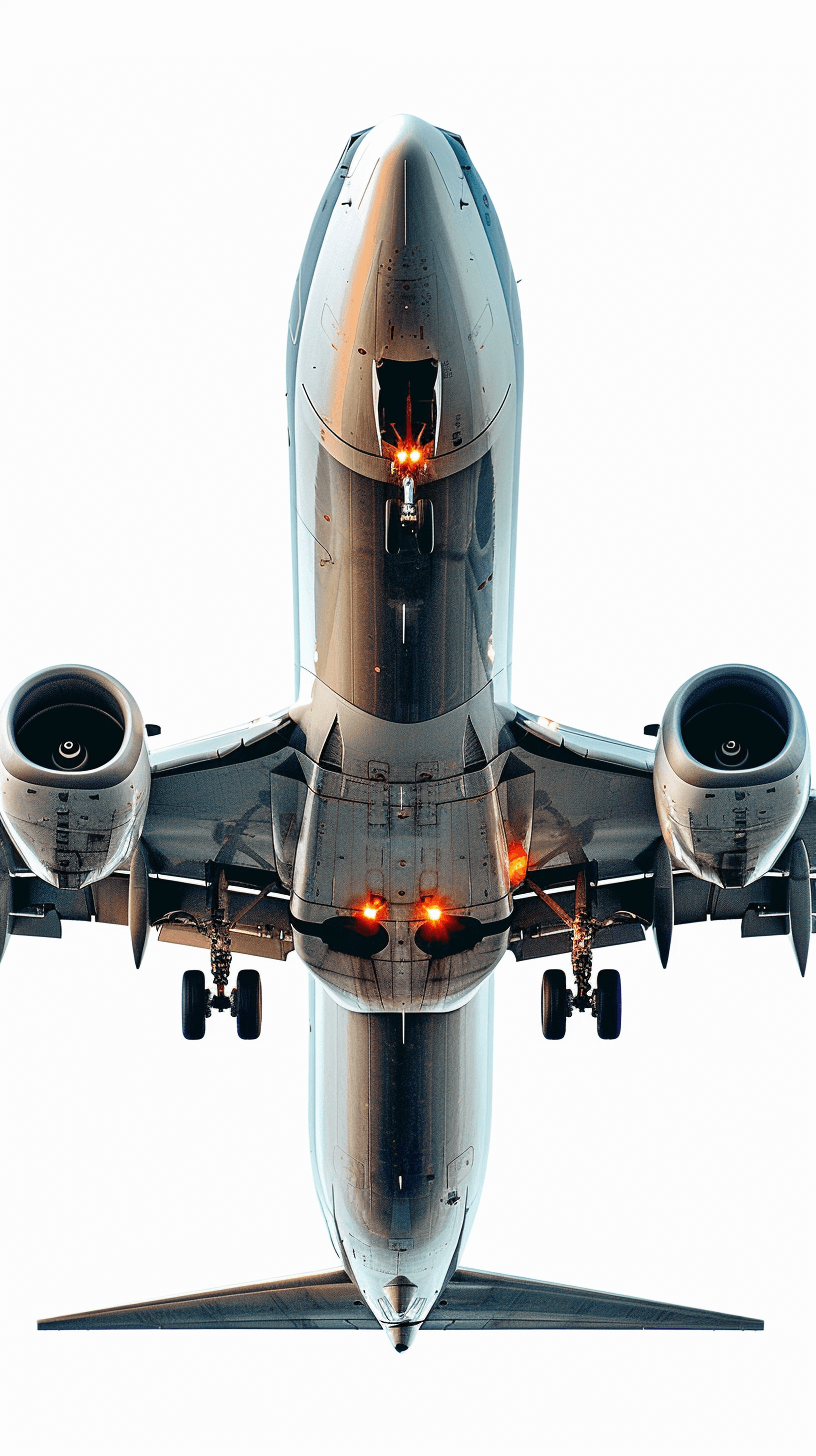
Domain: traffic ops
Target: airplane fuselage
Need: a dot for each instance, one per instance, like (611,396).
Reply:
(404,391)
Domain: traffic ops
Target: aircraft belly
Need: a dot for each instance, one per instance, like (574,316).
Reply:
(403,845)
(406,637)
(400,1132)
(406,268)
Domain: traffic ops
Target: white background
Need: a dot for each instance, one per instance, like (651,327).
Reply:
(652,165)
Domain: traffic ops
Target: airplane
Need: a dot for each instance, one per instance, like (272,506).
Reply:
(403,825)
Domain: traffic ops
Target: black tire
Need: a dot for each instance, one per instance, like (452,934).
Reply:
(393,528)
(609,1005)
(193,1005)
(554,1004)
(425,527)
(248,984)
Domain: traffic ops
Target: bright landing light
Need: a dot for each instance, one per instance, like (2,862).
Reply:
(517,865)
(373,909)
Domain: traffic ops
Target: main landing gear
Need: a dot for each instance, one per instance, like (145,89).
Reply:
(557,1003)
(244,1001)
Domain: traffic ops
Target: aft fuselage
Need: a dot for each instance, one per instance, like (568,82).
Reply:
(404,385)
(400,1128)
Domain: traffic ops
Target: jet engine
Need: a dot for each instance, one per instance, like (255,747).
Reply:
(75,774)
(731,774)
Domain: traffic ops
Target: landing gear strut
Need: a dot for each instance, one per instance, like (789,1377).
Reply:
(409,516)
(197,1003)
(557,1003)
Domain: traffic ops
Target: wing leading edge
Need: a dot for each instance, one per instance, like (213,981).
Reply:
(471,1300)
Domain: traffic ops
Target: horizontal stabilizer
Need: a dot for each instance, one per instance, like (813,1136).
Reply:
(478,1301)
(306,1302)
(471,1300)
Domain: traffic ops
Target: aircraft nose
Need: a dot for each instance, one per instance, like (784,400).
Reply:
(401,138)
(399,168)
(406,276)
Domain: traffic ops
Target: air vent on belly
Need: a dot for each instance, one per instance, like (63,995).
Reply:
(332,754)
(472,751)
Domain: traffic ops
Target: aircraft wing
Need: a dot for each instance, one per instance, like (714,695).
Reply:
(471,1300)
(593,798)
(594,805)
(232,801)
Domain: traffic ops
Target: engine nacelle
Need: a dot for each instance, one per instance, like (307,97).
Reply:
(75,774)
(732,773)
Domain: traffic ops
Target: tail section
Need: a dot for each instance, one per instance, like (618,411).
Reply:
(471,1300)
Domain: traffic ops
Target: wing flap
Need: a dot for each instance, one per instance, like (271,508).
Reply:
(762,909)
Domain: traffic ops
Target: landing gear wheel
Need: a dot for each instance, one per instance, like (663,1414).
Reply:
(554,1004)
(248,1002)
(193,1005)
(425,527)
(393,527)
(608,1005)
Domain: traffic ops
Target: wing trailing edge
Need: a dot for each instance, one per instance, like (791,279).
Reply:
(306,1302)
(475,1300)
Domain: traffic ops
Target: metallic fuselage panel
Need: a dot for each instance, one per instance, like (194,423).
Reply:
(399,1135)
(405,637)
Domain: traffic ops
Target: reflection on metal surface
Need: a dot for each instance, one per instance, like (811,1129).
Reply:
(406,1104)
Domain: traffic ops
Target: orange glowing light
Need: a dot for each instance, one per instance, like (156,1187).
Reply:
(373,909)
(433,913)
(517,863)
(407,452)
